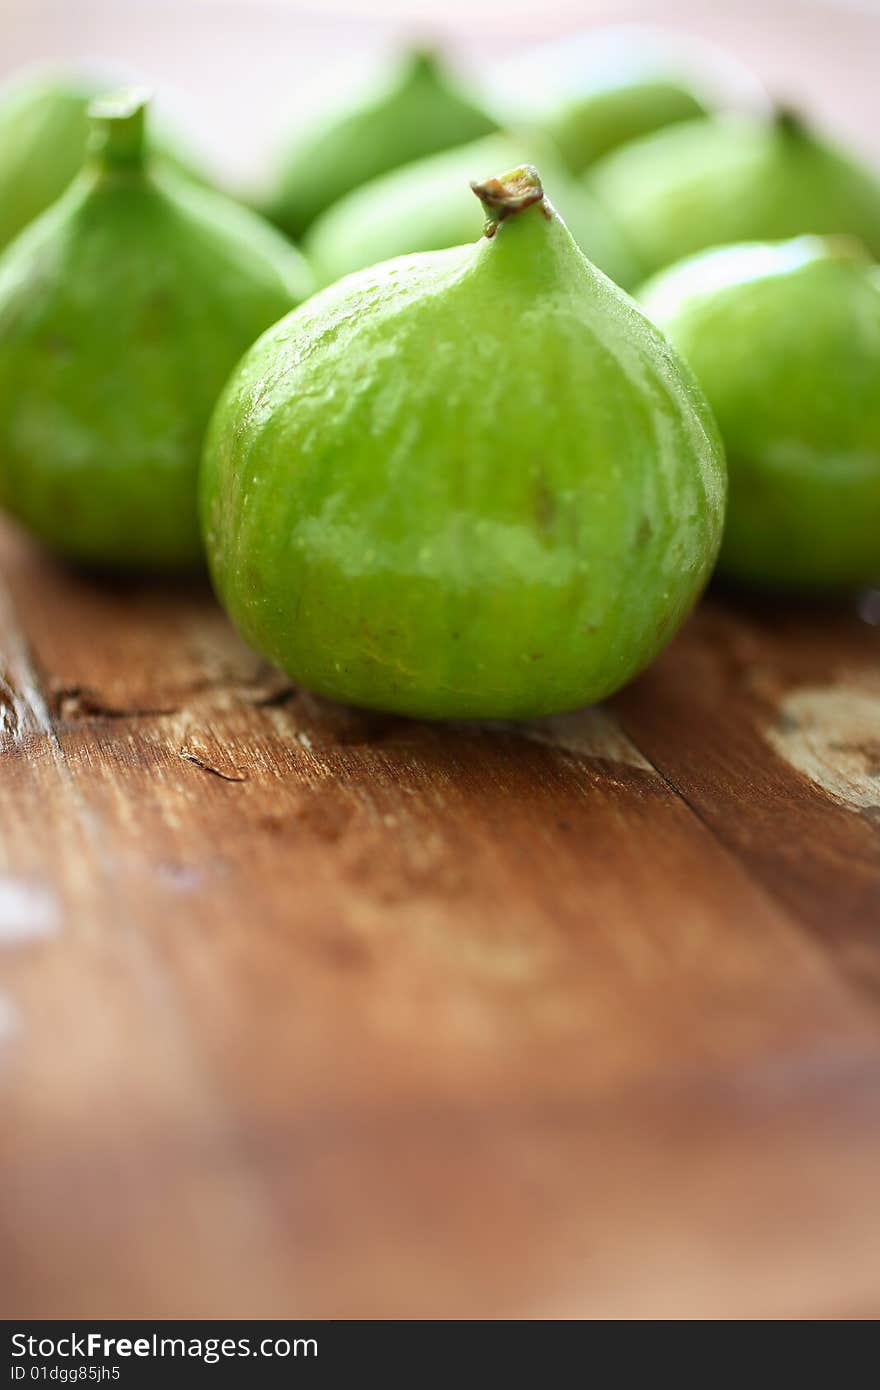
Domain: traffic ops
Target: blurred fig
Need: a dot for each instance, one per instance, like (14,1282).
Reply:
(44,128)
(730,179)
(418,111)
(785,340)
(122,311)
(594,91)
(428,206)
(586,127)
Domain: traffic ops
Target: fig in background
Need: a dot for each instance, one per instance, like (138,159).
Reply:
(594,91)
(730,179)
(122,311)
(417,111)
(785,340)
(428,206)
(44,127)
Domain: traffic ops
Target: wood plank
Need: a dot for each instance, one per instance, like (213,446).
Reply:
(765,715)
(96,1066)
(331,1013)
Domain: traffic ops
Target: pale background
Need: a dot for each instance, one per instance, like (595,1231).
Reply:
(237,72)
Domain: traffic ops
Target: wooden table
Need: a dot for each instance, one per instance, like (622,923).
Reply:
(312,1012)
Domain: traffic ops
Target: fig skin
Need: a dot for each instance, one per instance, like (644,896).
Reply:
(595,91)
(586,128)
(732,179)
(785,340)
(467,483)
(44,128)
(122,311)
(428,206)
(419,112)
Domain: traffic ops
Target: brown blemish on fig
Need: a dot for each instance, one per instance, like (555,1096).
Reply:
(544,506)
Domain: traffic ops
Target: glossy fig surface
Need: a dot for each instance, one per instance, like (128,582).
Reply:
(467,483)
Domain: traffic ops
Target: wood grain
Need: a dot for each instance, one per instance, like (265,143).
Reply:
(781,703)
(311,1012)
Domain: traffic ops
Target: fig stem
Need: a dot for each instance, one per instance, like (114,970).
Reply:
(510,193)
(789,121)
(117,130)
(422,62)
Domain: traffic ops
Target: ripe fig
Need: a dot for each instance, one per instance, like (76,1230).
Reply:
(44,128)
(122,311)
(419,112)
(785,340)
(428,206)
(588,126)
(594,91)
(472,482)
(731,179)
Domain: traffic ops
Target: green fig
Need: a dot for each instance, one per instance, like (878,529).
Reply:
(44,128)
(732,179)
(785,340)
(122,311)
(419,113)
(594,91)
(428,206)
(472,482)
(588,126)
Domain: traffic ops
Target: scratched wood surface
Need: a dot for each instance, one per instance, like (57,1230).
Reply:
(310,1012)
